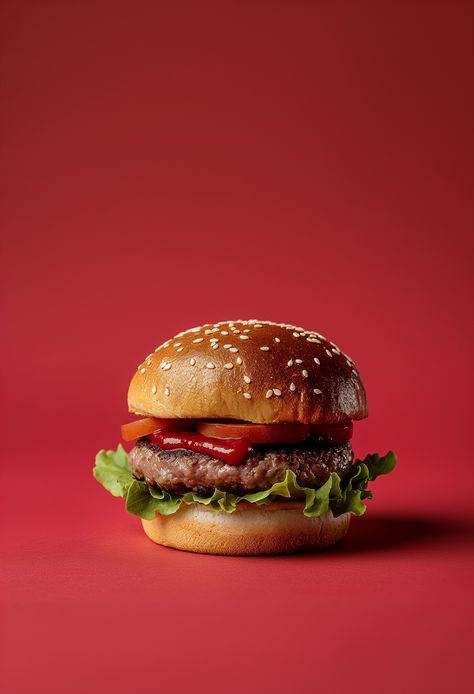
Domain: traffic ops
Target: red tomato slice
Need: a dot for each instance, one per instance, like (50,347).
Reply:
(258,433)
(333,434)
(143,427)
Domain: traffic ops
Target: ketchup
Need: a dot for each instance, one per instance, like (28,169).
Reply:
(230,451)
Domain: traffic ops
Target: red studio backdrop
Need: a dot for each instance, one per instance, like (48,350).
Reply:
(166,164)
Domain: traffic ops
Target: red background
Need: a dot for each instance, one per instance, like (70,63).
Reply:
(166,164)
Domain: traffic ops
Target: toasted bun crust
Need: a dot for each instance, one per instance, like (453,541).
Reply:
(279,528)
(253,371)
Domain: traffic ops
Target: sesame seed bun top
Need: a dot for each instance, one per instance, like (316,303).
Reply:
(255,371)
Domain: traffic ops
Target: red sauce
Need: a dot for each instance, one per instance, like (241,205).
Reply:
(234,451)
(230,451)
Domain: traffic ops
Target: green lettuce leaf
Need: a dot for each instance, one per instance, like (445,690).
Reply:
(380,465)
(146,502)
(113,471)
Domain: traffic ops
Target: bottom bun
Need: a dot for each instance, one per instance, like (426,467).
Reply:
(278,528)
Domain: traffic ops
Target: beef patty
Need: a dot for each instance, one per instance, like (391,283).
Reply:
(181,470)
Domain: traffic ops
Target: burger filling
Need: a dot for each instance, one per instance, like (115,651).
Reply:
(223,463)
(180,470)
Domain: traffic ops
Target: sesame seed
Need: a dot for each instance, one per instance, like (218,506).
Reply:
(257,325)
(348,362)
(195,330)
(228,365)
(213,339)
(210,365)
(313,339)
(317,391)
(215,330)
(177,344)
(296,334)
(335,350)
(142,371)
(235,331)
(265,348)
(192,362)
(180,349)
(269,393)
(247,396)
(328,353)
(239,360)
(148,362)
(244,337)
(316,361)
(215,346)
(354,372)
(153,390)
(233,349)
(298,361)
(247,379)
(167,367)
(277,339)
(227,346)
(277,392)
(198,339)
(224,332)
(207,332)
(290,363)
(305,373)
(167,392)
(292,387)
(247,330)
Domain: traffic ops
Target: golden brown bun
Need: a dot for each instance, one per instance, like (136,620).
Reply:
(253,371)
(279,528)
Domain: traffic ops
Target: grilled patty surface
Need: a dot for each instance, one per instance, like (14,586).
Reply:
(181,470)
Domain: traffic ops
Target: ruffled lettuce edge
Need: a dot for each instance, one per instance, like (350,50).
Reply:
(113,471)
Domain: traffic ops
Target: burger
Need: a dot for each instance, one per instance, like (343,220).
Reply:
(242,441)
